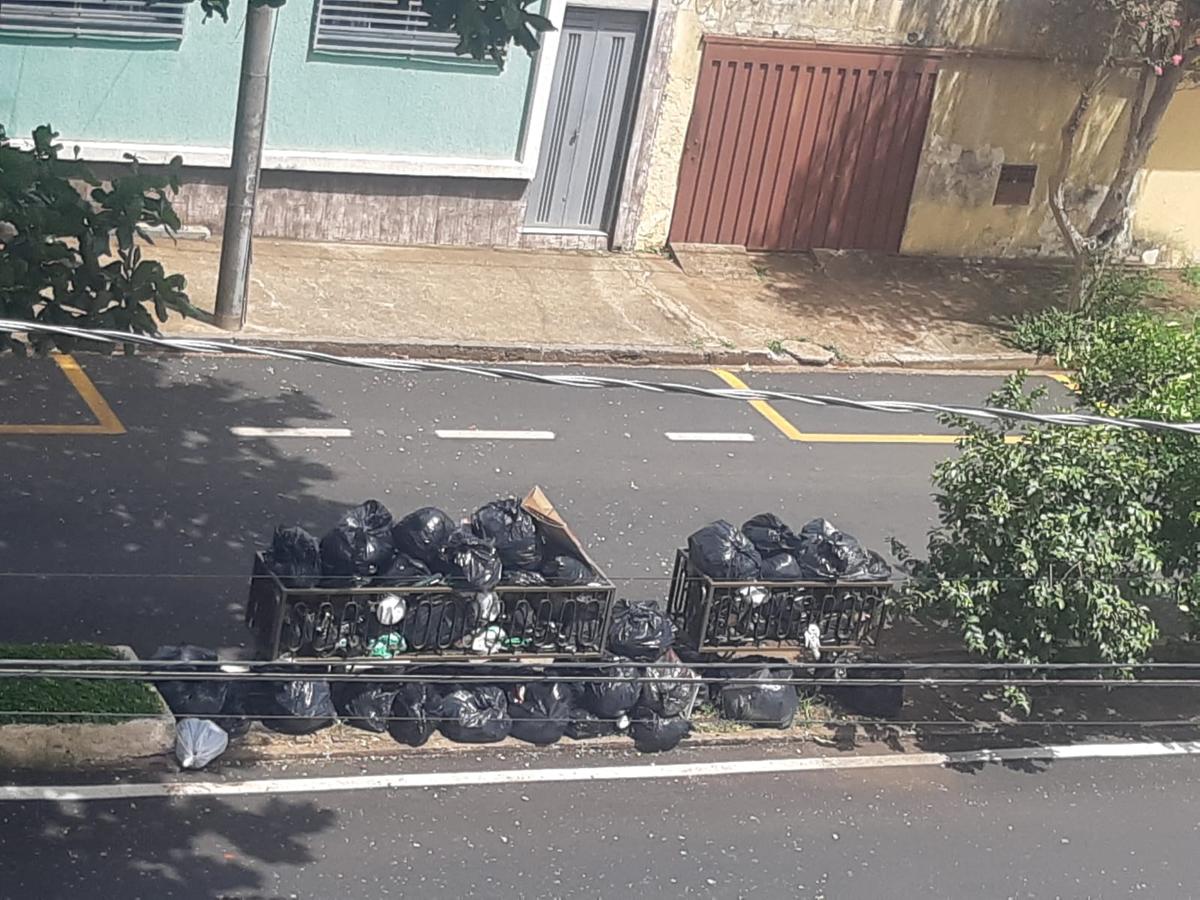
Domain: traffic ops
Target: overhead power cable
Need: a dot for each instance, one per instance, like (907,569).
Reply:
(205,346)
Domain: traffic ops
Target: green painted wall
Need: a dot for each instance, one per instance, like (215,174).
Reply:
(185,93)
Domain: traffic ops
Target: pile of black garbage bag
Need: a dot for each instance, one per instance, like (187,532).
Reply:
(770,561)
(652,704)
(765,548)
(645,692)
(500,544)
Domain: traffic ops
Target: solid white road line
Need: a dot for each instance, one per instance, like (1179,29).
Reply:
(473,434)
(715,437)
(23,793)
(247,431)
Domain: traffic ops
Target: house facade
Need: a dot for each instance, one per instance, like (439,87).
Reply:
(918,126)
(376,130)
(915,126)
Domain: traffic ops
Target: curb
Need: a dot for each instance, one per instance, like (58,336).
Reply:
(639,355)
(89,745)
(967,361)
(566,354)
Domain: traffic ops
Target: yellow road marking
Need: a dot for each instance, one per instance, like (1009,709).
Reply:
(106,420)
(765,409)
(793,433)
(1062,378)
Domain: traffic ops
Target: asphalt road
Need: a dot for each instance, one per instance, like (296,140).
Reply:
(1098,829)
(146,536)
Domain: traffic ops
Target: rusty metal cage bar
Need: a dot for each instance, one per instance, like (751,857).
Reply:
(720,616)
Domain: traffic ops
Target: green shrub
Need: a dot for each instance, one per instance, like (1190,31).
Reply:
(1127,362)
(58,263)
(1056,332)
(1044,545)
(27,701)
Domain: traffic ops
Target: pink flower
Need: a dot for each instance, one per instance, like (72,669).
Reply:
(1175,23)
(1158,70)
(1177,59)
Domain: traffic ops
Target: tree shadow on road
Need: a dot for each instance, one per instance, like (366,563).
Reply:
(148,537)
(157,847)
(960,718)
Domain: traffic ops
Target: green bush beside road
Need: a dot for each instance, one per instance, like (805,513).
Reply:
(47,700)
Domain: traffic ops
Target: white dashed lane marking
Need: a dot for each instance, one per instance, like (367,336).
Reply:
(475,434)
(712,437)
(247,431)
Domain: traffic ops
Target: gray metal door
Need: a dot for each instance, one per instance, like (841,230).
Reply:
(586,122)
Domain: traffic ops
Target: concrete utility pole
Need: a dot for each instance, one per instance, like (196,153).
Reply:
(249,129)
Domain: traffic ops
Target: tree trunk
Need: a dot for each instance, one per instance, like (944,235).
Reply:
(1146,117)
(1147,111)
(1072,237)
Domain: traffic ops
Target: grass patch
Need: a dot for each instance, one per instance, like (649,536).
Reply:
(1191,277)
(44,701)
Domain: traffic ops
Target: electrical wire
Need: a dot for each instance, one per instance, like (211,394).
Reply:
(200,345)
(170,667)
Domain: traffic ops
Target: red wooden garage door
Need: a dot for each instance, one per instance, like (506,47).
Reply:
(792,147)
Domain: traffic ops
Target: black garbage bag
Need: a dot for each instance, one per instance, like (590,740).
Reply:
(824,552)
(360,545)
(769,534)
(413,708)
(474,715)
(473,559)
(295,556)
(669,690)
(585,725)
(191,699)
(540,713)
(640,631)
(722,552)
(877,701)
(611,699)
(512,530)
(653,733)
(365,705)
(370,515)
(781,567)
(521,578)
(567,570)
(422,533)
(769,703)
(401,571)
(876,569)
(815,560)
(438,622)
(298,707)
(236,714)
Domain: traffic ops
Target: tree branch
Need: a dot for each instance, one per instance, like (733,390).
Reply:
(1071,235)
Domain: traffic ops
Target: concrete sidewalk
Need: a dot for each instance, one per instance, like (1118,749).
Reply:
(727,308)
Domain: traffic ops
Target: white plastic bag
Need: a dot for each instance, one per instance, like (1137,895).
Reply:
(198,742)
(490,640)
(489,606)
(390,610)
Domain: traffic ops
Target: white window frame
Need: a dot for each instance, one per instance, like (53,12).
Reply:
(379,28)
(131,20)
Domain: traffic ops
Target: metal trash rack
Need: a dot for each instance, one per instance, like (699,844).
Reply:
(712,616)
(340,623)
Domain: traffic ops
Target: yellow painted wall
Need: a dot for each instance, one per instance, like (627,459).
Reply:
(988,112)
(1168,205)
